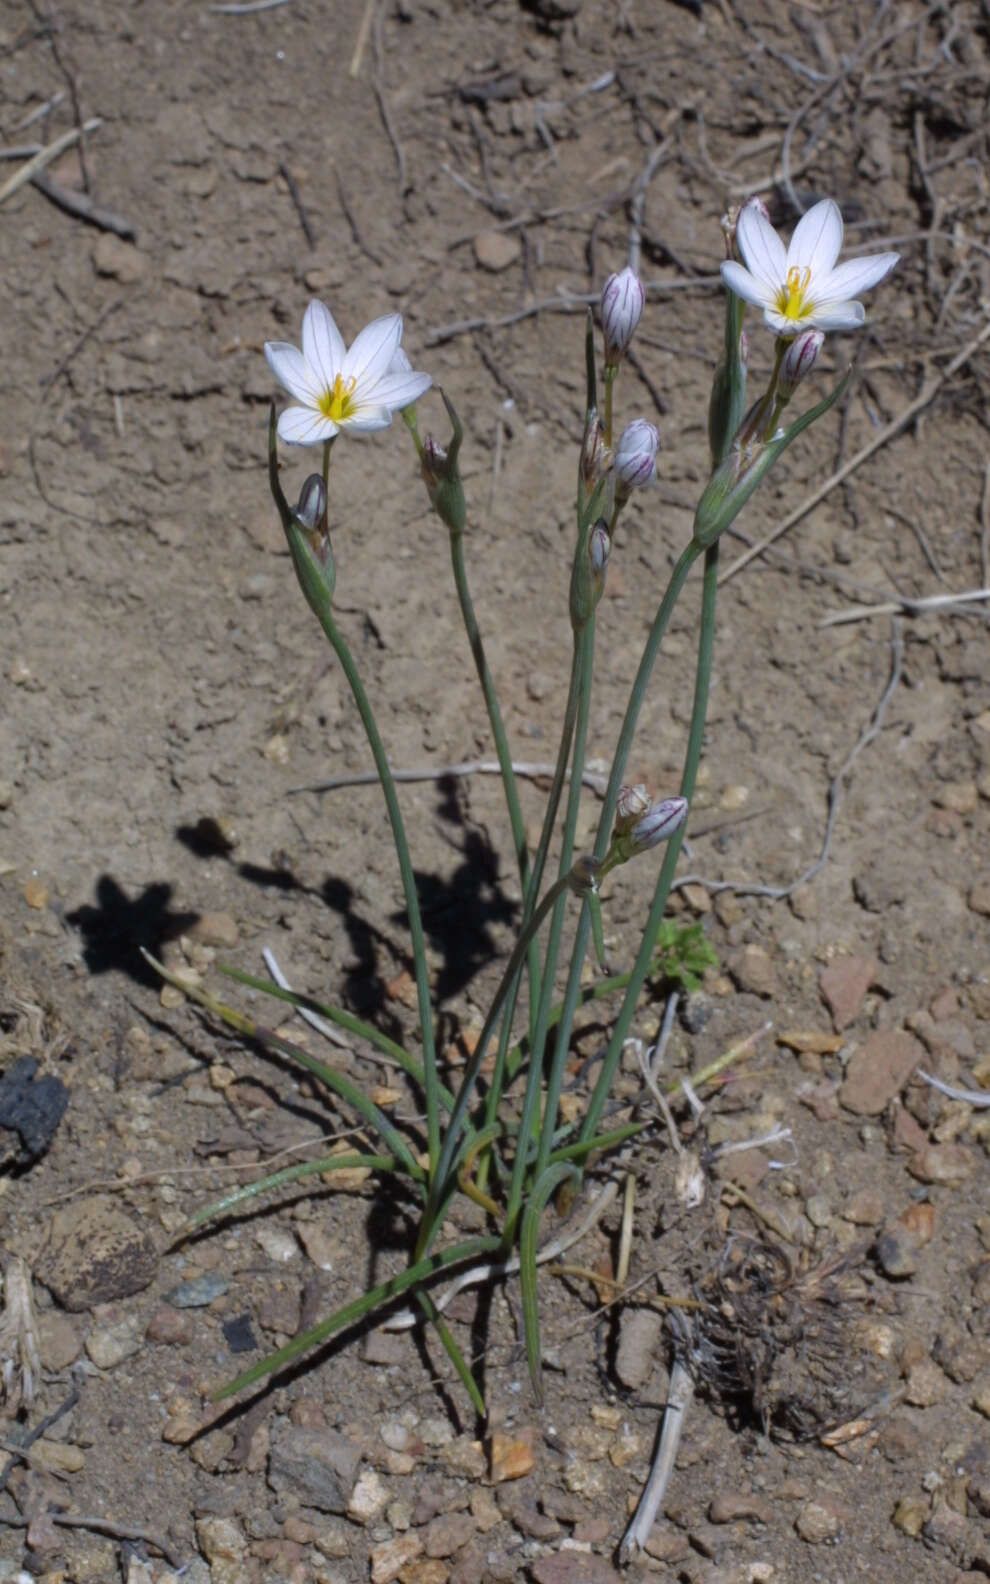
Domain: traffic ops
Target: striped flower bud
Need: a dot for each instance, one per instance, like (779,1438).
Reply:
(798,361)
(659,823)
(635,456)
(312,508)
(622,307)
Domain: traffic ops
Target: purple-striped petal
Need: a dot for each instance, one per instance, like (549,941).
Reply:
(760,247)
(817,240)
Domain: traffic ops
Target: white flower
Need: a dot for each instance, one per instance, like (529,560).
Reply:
(802,288)
(356,388)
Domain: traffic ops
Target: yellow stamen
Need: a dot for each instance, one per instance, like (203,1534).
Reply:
(337,404)
(790,299)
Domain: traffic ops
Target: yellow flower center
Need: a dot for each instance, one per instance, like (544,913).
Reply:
(337,404)
(791,299)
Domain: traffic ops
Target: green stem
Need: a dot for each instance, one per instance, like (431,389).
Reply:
(352,1312)
(692,758)
(417,937)
(536,879)
(572,991)
(288,1174)
(439,1185)
(344,1020)
(586,644)
(504,759)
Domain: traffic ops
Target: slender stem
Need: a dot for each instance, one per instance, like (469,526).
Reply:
(572,992)
(408,885)
(374,1299)
(501,742)
(439,1187)
(536,877)
(556,1076)
(692,758)
(344,1020)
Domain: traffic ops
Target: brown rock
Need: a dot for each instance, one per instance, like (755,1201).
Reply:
(96,1252)
(752,969)
(843,984)
(170,1327)
(59,1344)
(731,1506)
(575,1567)
(942,1163)
(497,250)
(118,259)
(878,1071)
(389,1559)
(448,1534)
(510,1459)
(216,929)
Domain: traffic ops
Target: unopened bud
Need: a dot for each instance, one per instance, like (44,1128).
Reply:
(659,823)
(630,805)
(583,878)
(312,508)
(730,220)
(623,298)
(798,361)
(599,548)
(592,451)
(635,456)
(434,462)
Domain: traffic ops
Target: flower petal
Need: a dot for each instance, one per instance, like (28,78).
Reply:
(322,343)
(291,370)
(817,240)
(854,276)
(760,247)
(747,286)
(367,418)
(837,315)
(371,352)
(303,426)
(400,390)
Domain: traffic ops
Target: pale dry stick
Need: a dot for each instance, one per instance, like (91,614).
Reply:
(637,202)
(929,390)
(51,151)
(903,604)
(115,1531)
(479,1274)
(307,1014)
(985,527)
(82,207)
(833,797)
(364,33)
(593,779)
(99,1185)
(24,151)
(679,1397)
(40,111)
(624,1253)
(247,7)
(974,1097)
(384,108)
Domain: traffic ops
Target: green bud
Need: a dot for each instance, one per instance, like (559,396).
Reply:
(442,476)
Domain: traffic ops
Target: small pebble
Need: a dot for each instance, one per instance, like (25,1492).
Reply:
(169,1327)
(817,1522)
(216,929)
(497,250)
(278,1244)
(199,1292)
(911,1514)
(110,1345)
(948,1164)
(393,1556)
(897,1255)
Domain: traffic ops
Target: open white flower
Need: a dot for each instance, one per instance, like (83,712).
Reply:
(357,388)
(802,287)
